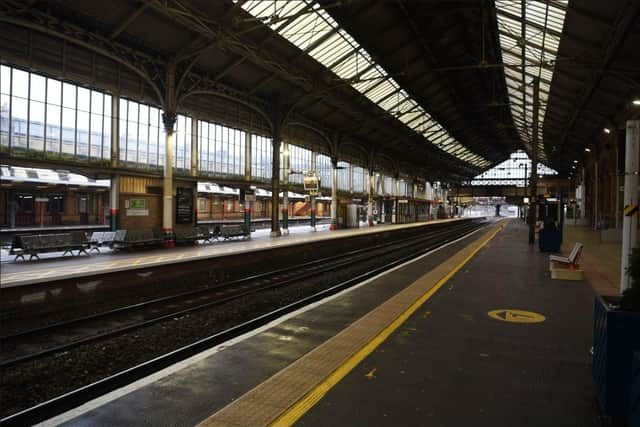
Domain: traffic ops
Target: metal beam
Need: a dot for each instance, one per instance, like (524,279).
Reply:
(624,22)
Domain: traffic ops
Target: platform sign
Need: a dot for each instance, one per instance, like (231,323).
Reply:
(311,181)
(516,316)
(249,195)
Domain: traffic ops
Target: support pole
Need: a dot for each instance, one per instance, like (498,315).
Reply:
(596,212)
(246,205)
(334,194)
(312,201)
(285,189)
(630,223)
(114,205)
(168,120)
(312,198)
(370,201)
(533,196)
(617,187)
(396,194)
(275,184)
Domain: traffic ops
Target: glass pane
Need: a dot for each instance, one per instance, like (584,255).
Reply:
(83,133)
(68,95)
(53,128)
(96,136)
(54,92)
(19,122)
(36,125)
(38,87)
(20,83)
(68,130)
(97,102)
(84,99)
(5,79)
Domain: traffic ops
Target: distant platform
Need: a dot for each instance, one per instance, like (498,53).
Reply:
(54,267)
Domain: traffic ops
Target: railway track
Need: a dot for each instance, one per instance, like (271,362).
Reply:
(64,336)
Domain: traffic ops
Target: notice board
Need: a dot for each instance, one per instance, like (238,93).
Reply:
(184,205)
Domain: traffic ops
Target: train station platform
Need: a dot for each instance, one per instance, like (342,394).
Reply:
(55,267)
(601,259)
(474,333)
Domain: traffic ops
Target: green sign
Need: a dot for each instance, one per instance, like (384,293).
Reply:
(137,204)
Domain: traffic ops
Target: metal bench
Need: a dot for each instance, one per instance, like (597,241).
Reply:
(207,235)
(127,239)
(187,236)
(228,231)
(100,239)
(572,260)
(33,245)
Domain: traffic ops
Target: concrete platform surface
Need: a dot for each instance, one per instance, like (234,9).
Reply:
(600,259)
(452,364)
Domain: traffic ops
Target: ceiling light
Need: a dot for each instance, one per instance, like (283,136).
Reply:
(636,101)
(607,130)
(573,167)
(575,161)
(587,149)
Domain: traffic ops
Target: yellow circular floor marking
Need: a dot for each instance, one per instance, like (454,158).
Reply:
(516,316)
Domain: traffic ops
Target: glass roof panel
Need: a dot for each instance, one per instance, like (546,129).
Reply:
(513,171)
(308,26)
(542,23)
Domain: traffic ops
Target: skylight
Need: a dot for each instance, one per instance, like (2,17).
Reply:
(308,26)
(543,22)
(513,171)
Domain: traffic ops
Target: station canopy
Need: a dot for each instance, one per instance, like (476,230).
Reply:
(312,29)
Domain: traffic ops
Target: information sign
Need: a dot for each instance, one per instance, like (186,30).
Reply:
(184,205)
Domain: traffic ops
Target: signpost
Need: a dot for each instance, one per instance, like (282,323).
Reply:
(312,185)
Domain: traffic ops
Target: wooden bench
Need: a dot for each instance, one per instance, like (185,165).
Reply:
(228,231)
(33,245)
(128,239)
(562,267)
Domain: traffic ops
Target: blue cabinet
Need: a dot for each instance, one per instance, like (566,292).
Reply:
(616,336)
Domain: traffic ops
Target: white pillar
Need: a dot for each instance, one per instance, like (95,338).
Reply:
(312,199)
(630,223)
(285,189)
(334,195)
(370,202)
(169,120)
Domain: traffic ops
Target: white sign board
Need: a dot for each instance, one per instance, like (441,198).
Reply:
(137,212)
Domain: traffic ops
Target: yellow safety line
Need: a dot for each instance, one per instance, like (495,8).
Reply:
(298,409)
